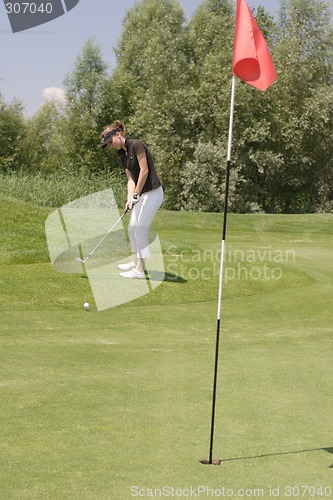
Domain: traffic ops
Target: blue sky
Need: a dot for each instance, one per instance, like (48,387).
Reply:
(33,63)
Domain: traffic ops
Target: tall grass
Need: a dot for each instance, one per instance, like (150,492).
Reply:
(61,187)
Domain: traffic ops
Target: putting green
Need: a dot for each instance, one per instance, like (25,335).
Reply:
(117,404)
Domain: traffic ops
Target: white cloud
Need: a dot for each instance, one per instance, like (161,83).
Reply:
(54,94)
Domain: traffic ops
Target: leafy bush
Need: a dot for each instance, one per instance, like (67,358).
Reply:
(203,179)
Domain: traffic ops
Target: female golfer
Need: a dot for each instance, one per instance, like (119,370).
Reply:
(144,193)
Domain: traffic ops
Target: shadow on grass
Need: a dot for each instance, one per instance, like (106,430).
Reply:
(169,277)
(328,450)
(158,276)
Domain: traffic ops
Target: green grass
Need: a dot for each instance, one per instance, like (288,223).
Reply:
(60,187)
(94,403)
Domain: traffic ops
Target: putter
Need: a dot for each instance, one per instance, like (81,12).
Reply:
(82,261)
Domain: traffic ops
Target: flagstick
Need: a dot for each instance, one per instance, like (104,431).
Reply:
(218,328)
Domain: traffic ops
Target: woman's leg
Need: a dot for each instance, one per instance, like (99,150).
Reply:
(141,219)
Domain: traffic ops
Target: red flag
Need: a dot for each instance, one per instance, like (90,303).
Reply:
(252,61)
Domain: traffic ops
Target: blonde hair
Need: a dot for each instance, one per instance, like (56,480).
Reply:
(117,124)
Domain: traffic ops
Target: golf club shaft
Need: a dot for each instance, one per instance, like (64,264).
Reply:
(105,236)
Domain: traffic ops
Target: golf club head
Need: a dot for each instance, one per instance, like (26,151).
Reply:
(82,261)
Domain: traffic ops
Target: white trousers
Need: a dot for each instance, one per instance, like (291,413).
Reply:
(142,216)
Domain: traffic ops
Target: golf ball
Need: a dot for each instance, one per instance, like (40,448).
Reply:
(86,305)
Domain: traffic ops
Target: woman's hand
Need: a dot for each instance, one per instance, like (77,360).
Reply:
(133,201)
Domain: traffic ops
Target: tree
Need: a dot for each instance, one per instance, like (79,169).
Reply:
(12,131)
(86,84)
(203,179)
(153,78)
(211,40)
(87,93)
(172,87)
(282,161)
(43,142)
(304,56)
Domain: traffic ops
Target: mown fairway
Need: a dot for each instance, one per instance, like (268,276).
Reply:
(116,404)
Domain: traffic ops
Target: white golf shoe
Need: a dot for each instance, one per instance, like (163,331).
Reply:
(133,274)
(126,267)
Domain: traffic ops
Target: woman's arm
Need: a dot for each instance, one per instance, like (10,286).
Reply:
(130,188)
(144,171)
(138,187)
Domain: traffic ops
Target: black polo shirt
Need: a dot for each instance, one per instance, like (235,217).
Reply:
(129,160)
